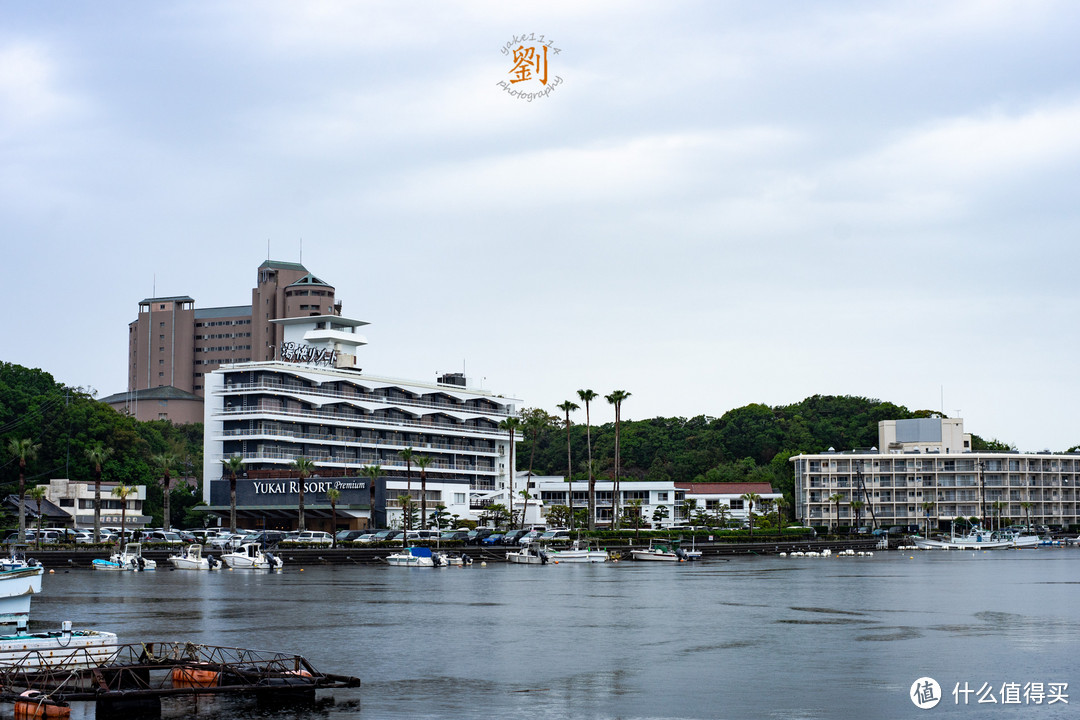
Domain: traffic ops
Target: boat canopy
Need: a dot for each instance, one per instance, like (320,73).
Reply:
(420,552)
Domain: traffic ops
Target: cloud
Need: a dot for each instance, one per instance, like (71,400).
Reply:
(29,96)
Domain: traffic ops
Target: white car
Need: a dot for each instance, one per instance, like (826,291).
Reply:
(313,536)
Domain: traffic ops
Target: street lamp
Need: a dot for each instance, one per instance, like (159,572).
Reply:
(982,494)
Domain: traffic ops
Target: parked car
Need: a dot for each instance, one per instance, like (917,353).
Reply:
(348,535)
(228,541)
(160,536)
(422,535)
(476,536)
(529,537)
(186,536)
(313,536)
(555,536)
(492,539)
(386,535)
(454,535)
(512,536)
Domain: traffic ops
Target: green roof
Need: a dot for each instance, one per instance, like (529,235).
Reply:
(310,279)
(281,265)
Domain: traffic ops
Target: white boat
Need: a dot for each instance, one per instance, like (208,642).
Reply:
(250,556)
(976,539)
(192,559)
(662,552)
(130,559)
(17,586)
(578,554)
(413,557)
(529,554)
(66,649)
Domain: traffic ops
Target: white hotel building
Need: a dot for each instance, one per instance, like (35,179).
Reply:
(313,401)
(925,469)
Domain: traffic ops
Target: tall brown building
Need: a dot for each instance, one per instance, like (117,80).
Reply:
(172,344)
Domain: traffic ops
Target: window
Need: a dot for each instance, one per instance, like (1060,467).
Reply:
(661,497)
(459,498)
(161,324)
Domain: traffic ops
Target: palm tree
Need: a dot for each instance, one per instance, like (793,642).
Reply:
(233,465)
(511,424)
(123,492)
(616,398)
(407,456)
(836,498)
(750,498)
(856,506)
(406,515)
(372,473)
(303,468)
(526,496)
(998,507)
(586,397)
(567,407)
(782,505)
(97,454)
(37,493)
(422,462)
(24,449)
(1027,512)
(333,494)
(165,462)
(634,507)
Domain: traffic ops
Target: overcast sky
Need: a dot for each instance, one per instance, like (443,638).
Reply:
(720,203)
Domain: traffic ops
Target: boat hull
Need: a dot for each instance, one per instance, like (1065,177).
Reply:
(654,555)
(578,556)
(17,587)
(75,650)
(958,544)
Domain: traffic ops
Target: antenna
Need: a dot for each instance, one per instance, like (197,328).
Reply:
(268,249)
(153,292)
(301,251)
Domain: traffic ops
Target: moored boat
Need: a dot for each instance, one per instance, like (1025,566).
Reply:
(662,552)
(529,554)
(192,559)
(975,539)
(578,554)
(65,649)
(412,557)
(250,556)
(130,559)
(17,586)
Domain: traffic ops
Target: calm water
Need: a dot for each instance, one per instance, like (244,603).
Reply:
(758,637)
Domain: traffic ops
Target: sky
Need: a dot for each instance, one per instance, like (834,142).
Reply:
(715,203)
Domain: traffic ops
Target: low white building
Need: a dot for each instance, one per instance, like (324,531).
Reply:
(728,499)
(77,499)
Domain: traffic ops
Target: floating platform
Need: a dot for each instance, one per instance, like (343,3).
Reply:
(138,675)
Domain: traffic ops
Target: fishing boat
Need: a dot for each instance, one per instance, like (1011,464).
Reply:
(413,557)
(529,554)
(17,586)
(192,559)
(250,556)
(975,539)
(661,551)
(578,554)
(65,649)
(130,559)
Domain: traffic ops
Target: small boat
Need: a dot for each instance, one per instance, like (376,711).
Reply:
(130,559)
(65,649)
(192,559)
(529,554)
(250,556)
(19,582)
(661,551)
(578,554)
(975,539)
(414,557)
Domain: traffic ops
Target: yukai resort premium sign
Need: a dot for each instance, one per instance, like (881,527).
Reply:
(286,492)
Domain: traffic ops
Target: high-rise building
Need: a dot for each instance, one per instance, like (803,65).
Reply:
(173,345)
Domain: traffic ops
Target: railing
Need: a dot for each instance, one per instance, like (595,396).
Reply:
(326,437)
(367,419)
(363,397)
(385,463)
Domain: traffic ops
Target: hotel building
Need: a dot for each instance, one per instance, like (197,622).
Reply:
(925,471)
(173,345)
(314,402)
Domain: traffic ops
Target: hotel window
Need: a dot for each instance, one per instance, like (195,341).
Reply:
(661,497)
(161,324)
(459,498)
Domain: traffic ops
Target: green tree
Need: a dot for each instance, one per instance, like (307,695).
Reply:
(407,456)
(660,514)
(407,510)
(568,407)
(525,498)
(1027,513)
(633,515)
(496,514)
(333,495)
(23,449)
(304,468)
(689,509)
(559,516)
(836,498)
(587,396)
(97,454)
(750,498)
(123,492)
(926,508)
(616,398)
(165,462)
(372,473)
(510,425)
(422,462)
(37,493)
(233,465)
(856,507)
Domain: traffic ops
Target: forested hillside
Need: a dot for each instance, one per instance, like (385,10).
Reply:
(64,422)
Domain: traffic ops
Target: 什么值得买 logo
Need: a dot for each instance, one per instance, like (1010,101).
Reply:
(531,73)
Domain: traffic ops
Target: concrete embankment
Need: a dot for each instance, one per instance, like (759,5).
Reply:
(65,558)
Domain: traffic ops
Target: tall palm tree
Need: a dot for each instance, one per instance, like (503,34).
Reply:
(616,398)
(37,493)
(233,466)
(333,495)
(123,492)
(567,407)
(526,496)
(782,506)
(304,468)
(836,498)
(510,425)
(998,507)
(422,462)
(1027,512)
(24,449)
(856,507)
(927,507)
(586,397)
(407,456)
(97,454)
(750,498)
(372,473)
(165,462)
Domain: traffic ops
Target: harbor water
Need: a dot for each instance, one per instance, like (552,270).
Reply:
(842,638)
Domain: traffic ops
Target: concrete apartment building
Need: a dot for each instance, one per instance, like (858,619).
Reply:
(923,470)
(173,345)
